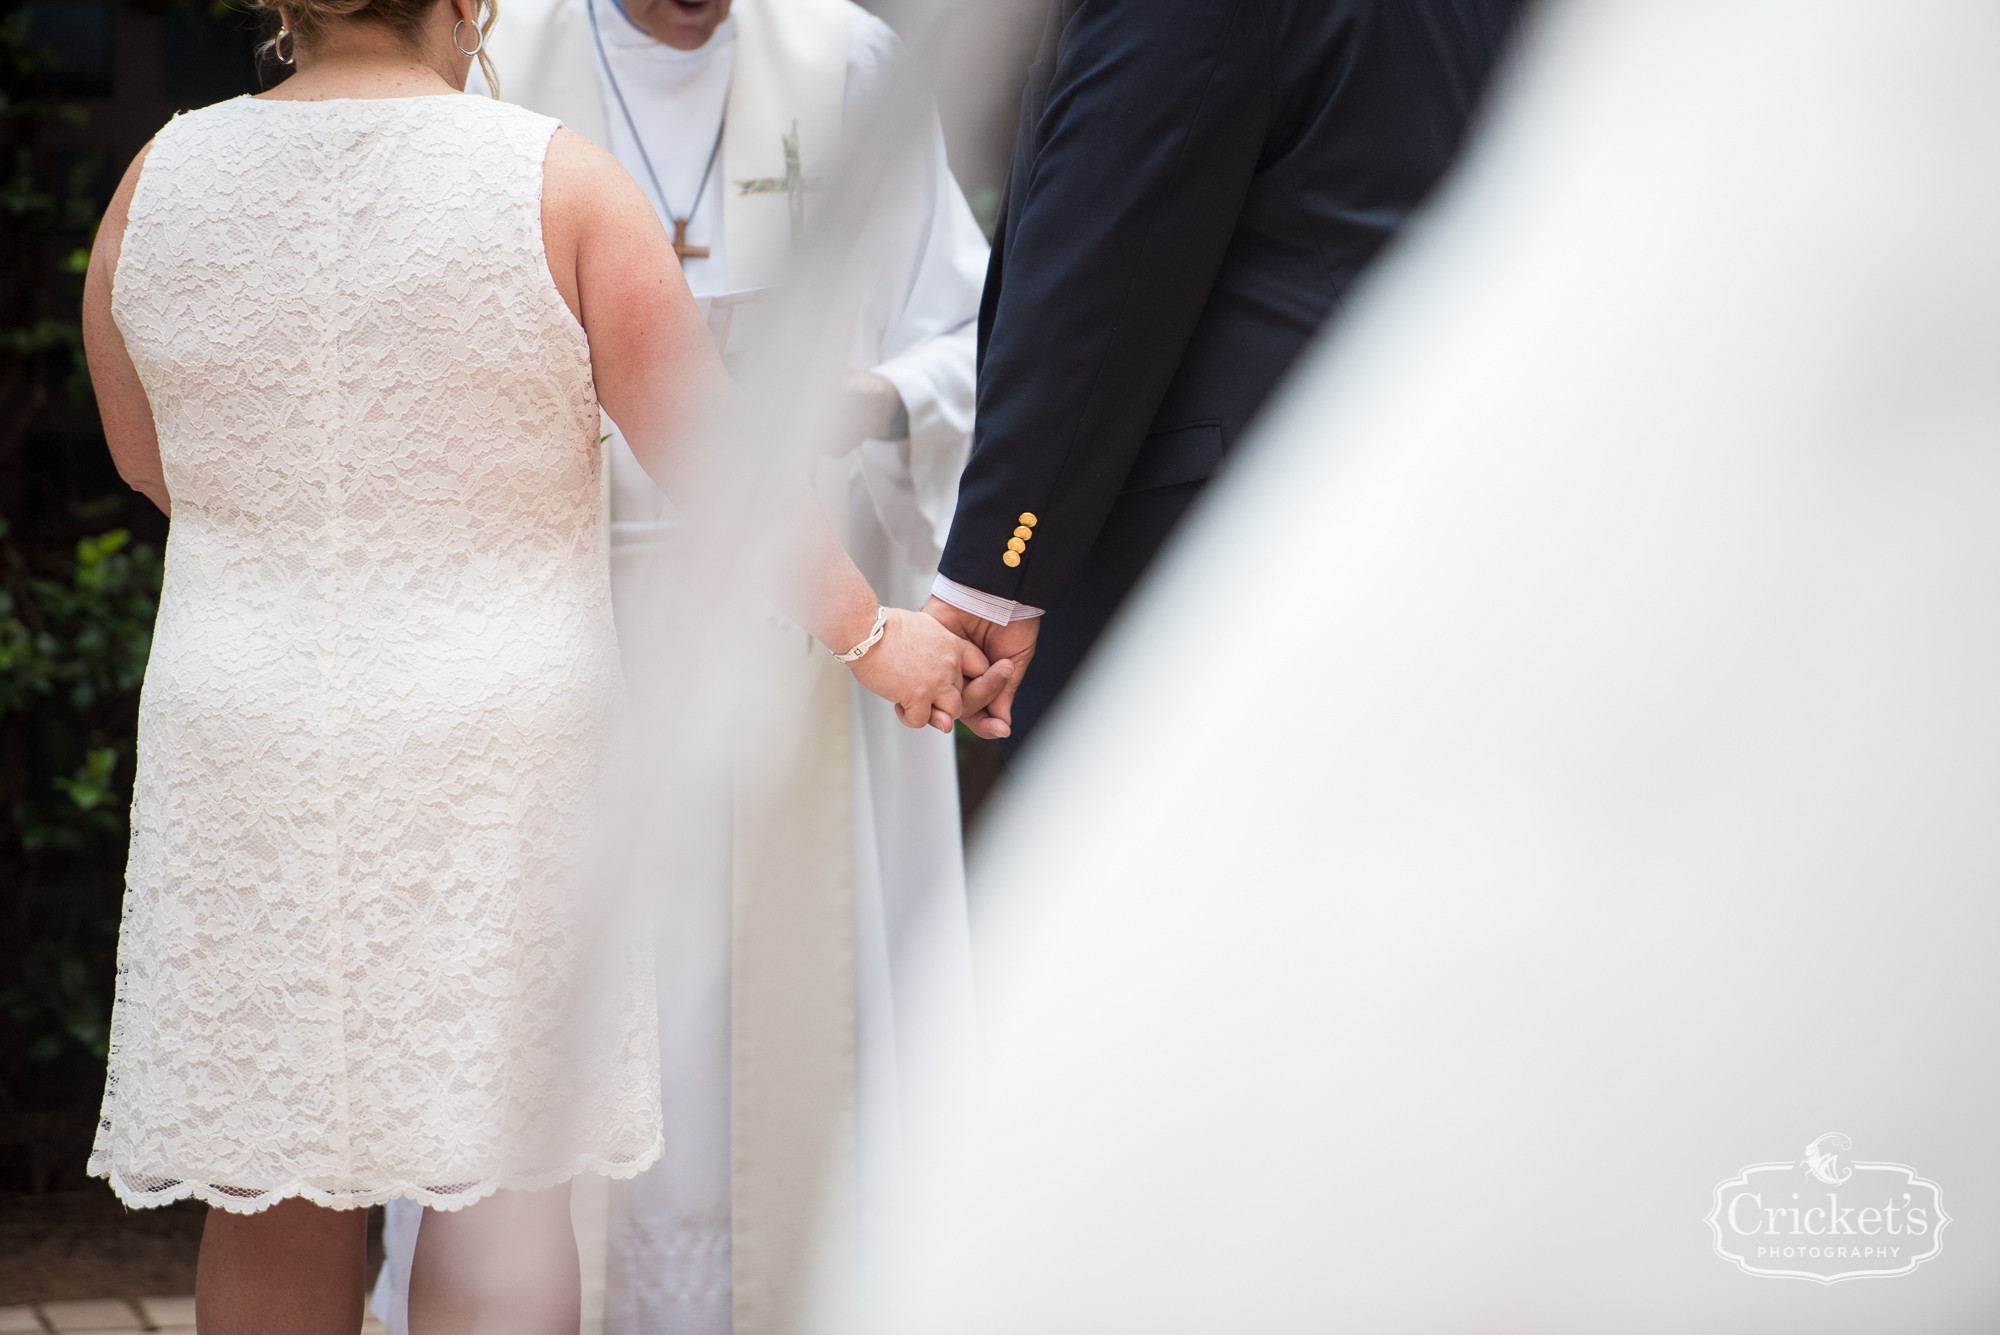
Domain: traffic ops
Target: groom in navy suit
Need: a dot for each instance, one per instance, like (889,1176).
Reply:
(1195,185)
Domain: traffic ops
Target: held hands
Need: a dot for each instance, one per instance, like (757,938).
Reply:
(931,675)
(989,702)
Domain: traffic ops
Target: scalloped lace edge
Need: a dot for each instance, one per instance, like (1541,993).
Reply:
(429,1197)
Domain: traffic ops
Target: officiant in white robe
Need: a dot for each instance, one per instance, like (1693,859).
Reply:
(704,1242)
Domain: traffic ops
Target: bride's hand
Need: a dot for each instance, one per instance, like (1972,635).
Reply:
(921,668)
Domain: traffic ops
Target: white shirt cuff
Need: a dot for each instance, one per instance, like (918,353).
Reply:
(999,610)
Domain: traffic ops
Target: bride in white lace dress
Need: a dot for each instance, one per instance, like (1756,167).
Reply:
(353,336)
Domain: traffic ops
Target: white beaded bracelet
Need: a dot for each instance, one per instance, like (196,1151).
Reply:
(874,638)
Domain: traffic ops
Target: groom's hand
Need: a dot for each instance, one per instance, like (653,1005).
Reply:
(989,701)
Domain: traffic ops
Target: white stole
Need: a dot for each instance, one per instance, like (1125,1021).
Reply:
(785,100)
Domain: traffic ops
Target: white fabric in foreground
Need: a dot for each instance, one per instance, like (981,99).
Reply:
(1602,799)
(670,1263)
(924,262)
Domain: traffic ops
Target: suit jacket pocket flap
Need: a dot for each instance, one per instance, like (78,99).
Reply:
(1184,454)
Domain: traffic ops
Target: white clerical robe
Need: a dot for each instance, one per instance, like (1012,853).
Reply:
(668,1262)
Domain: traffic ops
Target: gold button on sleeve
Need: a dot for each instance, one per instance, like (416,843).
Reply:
(1011,558)
(1024,533)
(1029,519)
(1016,545)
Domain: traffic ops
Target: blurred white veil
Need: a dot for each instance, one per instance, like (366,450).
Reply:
(1555,770)
(1558,767)
(737,763)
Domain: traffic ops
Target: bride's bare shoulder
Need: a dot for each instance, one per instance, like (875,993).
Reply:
(575,159)
(111,228)
(582,179)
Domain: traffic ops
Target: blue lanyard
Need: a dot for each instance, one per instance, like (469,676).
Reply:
(645,158)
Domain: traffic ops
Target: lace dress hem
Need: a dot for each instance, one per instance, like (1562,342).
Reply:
(148,1191)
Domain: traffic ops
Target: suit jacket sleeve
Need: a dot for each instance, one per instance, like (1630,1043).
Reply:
(1126,187)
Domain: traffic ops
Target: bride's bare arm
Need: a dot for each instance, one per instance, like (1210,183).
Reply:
(657,373)
(121,399)
(659,378)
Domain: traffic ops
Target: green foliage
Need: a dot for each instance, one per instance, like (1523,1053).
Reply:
(985,204)
(84,638)
(77,600)
(94,815)
(38,320)
(58,1002)
(91,788)
(73,646)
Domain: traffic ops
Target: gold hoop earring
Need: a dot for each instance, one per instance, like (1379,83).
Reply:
(278,47)
(477,47)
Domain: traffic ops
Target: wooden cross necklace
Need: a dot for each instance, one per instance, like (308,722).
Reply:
(682,249)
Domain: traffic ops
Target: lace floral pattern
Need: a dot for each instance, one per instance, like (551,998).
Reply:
(382,682)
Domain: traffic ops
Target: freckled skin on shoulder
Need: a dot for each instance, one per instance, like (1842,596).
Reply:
(657,374)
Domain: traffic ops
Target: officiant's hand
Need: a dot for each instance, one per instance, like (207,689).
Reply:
(988,703)
(922,669)
(871,408)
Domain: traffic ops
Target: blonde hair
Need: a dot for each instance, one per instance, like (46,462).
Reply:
(403,17)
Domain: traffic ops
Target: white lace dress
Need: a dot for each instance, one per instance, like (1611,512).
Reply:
(382,681)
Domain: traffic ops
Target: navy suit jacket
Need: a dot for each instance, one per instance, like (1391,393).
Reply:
(1195,185)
